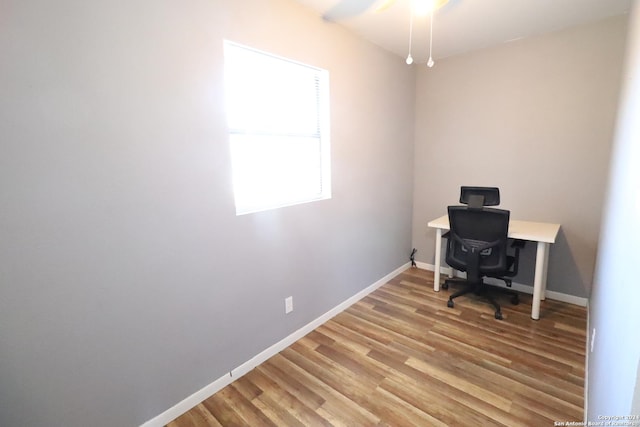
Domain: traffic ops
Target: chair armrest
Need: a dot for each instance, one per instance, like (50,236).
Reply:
(517,245)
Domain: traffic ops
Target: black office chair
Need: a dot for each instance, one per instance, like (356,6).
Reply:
(478,245)
(476,198)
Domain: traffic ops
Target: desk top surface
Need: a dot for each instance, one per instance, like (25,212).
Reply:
(525,230)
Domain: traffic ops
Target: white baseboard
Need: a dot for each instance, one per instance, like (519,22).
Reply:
(431,267)
(526,289)
(586,364)
(209,390)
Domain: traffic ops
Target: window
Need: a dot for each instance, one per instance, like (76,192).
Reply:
(277,112)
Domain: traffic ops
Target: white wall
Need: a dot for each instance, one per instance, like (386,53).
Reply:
(127,281)
(534,117)
(613,364)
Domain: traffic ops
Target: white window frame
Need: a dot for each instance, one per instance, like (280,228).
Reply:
(280,152)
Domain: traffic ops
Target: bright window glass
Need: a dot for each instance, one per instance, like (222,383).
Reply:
(277,112)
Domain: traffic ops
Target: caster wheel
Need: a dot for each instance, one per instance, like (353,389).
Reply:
(515,300)
(498,315)
(445,285)
(450,303)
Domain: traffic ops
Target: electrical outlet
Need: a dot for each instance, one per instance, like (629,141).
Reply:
(288,305)
(593,339)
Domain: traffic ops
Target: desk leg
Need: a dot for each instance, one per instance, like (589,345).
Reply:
(539,282)
(436,262)
(543,296)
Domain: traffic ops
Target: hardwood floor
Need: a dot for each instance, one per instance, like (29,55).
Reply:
(400,357)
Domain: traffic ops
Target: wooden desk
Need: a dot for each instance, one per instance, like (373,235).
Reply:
(541,232)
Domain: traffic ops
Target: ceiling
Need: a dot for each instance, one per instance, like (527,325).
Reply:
(466,25)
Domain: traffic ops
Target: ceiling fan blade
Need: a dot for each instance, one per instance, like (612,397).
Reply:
(347,9)
(385,5)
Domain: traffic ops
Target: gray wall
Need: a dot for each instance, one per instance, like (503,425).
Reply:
(534,117)
(613,365)
(127,281)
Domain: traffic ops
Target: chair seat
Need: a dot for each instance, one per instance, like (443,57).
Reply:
(477,245)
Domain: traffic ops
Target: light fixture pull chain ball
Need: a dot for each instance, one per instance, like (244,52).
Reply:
(410,58)
(421,8)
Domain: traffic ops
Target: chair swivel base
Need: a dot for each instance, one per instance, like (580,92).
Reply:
(481,290)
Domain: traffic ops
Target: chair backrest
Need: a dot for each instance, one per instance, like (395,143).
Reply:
(477,240)
(479,196)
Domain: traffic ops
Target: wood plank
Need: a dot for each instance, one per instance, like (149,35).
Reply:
(401,357)
(336,405)
(198,416)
